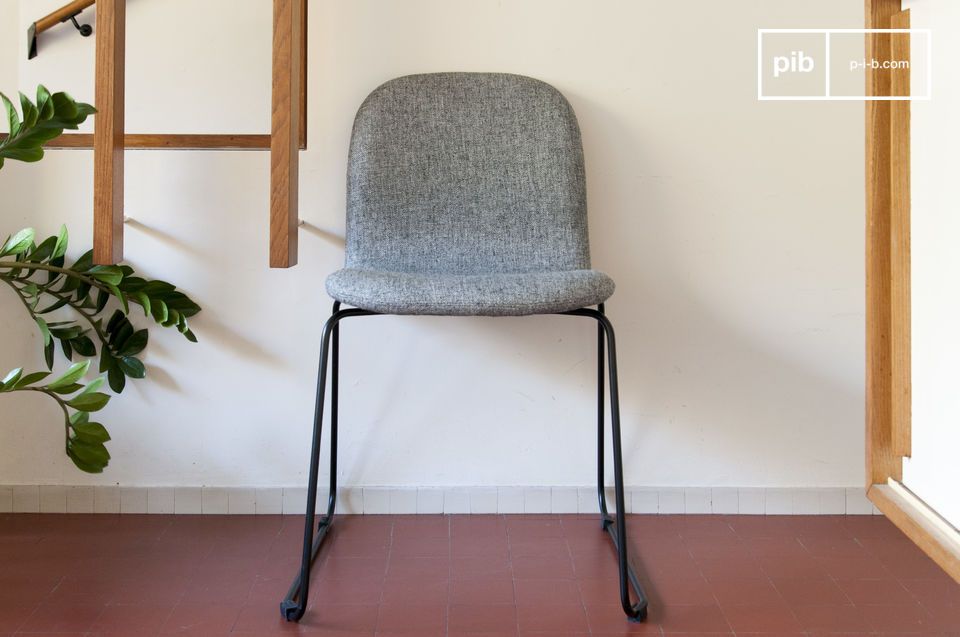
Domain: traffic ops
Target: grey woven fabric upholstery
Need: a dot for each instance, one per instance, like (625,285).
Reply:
(466,196)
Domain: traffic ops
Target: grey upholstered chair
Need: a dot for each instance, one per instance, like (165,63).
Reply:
(466,196)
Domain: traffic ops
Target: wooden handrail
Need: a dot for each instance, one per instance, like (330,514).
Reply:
(51,20)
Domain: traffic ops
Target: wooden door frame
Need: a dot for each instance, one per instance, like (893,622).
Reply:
(888,322)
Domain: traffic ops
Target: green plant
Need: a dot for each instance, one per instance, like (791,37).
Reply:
(41,122)
(45,284)
(38,271)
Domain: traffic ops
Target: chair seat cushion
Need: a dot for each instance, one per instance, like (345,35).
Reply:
(494,294)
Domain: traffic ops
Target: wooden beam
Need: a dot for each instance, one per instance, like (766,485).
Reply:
(882,462)
(921,524)
(150,141)
(285,144)
(303,75)
(900,369)
(108,137)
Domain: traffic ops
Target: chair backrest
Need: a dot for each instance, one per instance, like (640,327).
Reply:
(462,173)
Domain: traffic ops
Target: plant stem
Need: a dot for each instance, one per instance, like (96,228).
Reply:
(52,268)
(19,296)
(87,317)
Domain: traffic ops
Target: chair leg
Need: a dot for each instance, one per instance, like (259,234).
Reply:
(601,399)
(294,604)
(615,526)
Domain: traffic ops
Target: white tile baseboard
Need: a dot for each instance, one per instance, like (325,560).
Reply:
(406,500)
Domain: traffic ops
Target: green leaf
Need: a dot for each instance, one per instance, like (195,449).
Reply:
(116,377)
(135,343)
(92,386)
(132,367)
(43,330)
(42,251)
(110,274)
(84,346)
(93,453)
(61,246)
(30,112)
(79,417)
(83,465)
(31,379)
(67,389)
(44,105)
(18,243)
(54,306)
(13,120)
(48,354)
(102,298)
(84,262)
(159,311)
(144,301)
(71,376)
(94,401)
(91,432)
(120,295)
(11,379)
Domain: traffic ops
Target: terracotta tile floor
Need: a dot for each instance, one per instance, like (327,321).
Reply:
(468,575)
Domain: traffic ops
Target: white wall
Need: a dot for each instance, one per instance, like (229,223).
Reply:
(933,472)
(734,230)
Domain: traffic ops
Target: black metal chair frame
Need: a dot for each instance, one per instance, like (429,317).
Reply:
(295,603)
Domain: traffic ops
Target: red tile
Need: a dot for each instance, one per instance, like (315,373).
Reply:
(833,547)
(344,567)
(552,618)
(341,617)
(792,567)
(347,591)
(768,618)
(532,592)
(419,568)
(200,619)
(482,590)
(398,590)
(539,547)
(421,547)
(130,618)
(609,618)
(775,547)
(874,591)
(261,618)
(912,565)
(689,618)
(809,591)
(543,567)
(836,619)
(722,567)
(62,617)
(744,590)
(854,567)
(480,567)
(488,548)
(13,616)
(422,527)
(897,618)
(411,618)
(681,590)
(483,617)
(599,591)
(942,591)
(530,527)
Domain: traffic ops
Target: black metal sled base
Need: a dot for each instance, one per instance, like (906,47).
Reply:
(295,603)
